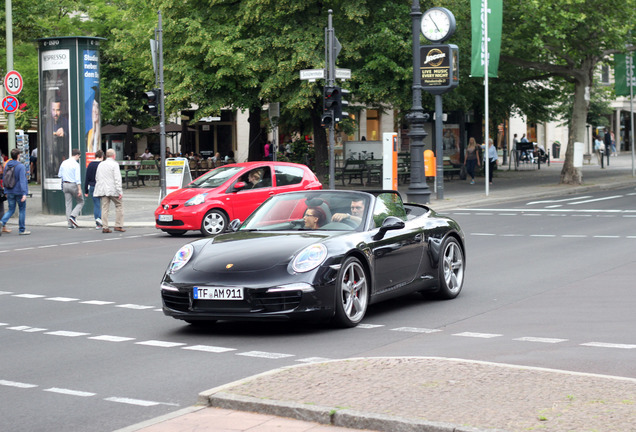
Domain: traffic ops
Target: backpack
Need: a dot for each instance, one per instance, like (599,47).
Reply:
(8,179)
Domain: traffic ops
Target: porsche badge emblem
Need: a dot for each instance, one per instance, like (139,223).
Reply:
(229,266)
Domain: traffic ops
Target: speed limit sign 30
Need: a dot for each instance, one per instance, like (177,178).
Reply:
(13,82)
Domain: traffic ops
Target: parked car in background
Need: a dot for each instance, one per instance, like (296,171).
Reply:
(229,192)
(316,255)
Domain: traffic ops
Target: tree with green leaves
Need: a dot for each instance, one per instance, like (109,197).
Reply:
(566,40)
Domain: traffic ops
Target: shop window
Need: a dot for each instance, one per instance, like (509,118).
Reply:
(373,125)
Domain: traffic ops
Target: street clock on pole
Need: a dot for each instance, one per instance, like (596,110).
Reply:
(438,24)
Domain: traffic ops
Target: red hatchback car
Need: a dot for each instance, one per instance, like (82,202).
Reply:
(229,192)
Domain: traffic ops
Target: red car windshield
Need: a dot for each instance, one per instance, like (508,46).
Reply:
(214,178)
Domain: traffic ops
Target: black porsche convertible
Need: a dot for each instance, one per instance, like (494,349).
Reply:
(320,255)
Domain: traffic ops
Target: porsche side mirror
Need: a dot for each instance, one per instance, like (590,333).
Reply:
(390,223)
(235,224)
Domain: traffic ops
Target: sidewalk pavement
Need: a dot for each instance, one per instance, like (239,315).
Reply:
(422,394)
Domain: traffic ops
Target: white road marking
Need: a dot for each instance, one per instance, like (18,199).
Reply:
(573,236)
(512,235)
(415,330)
(262,354)
(134,306)
(17,384)
(130,401)
(208,348)
(609,345)
(542,235)
(483,234)
(109,338)
(23,249)
(314,360)
(98,302)
(481,211)
(47,246)
(29,296)
(26,329)
(67,333)
(61,299)
(478,335)
(369,326)
(606,236)
(161,344)
(5,292)
(558,201)
(596,200)
(540,339)
(70,244)
(69,392)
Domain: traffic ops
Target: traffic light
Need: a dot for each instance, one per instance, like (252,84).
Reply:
(340,104)
(152,101)
(334,103)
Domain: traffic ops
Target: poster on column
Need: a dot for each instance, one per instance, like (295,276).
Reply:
(92,102)
(54,114)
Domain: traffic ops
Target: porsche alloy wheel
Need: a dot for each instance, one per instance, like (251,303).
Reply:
(352,294)
(451,269)
(214,222)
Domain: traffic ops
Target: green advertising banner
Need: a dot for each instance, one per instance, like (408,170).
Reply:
(624,70)
(495,16)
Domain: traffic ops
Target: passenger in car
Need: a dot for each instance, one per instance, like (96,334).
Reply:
(314,218)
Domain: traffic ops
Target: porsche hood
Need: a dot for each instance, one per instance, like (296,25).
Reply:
(251,251)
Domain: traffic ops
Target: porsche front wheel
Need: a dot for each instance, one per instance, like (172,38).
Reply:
(352,293)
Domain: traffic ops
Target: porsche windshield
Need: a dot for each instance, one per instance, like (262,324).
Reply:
(308,211)
(214,178)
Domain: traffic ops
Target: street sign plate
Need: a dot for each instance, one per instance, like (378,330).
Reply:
(312,74)
(10,104)
(343,73)
(13,82)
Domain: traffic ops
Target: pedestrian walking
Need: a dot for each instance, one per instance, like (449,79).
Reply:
(492,158)
(108,187)
(607,140)
(69,172)
(472,159)
(16,190)
(599,148)
(89,187)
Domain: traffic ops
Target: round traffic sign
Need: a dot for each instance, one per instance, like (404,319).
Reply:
(13,82)
(10,104)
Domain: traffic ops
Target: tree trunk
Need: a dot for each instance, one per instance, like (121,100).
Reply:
(257,143)
(321,146)
(582,83)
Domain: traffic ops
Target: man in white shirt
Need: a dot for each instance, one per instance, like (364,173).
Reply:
(108,186)
(72,187)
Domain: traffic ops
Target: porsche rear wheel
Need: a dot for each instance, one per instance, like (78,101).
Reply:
(451,269)
(352,294)
(214,222)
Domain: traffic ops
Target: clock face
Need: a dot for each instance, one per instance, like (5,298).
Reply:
(438,24)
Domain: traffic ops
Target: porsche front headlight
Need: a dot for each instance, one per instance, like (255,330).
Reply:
(196,200)
(309,258)
(181,258)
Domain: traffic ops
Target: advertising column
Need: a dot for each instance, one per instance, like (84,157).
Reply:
(69,111)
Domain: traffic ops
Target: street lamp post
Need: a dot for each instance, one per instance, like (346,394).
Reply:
(418,191)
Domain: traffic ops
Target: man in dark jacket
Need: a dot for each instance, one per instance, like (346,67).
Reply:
(607,139)
(17,194)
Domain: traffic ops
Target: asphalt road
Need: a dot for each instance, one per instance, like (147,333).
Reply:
(85,347)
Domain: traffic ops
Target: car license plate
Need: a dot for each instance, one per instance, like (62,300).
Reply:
(165,218)
(218,293)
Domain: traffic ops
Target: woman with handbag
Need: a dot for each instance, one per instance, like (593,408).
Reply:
(472,159)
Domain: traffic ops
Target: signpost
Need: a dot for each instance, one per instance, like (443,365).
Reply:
(10,104)
(13,83)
